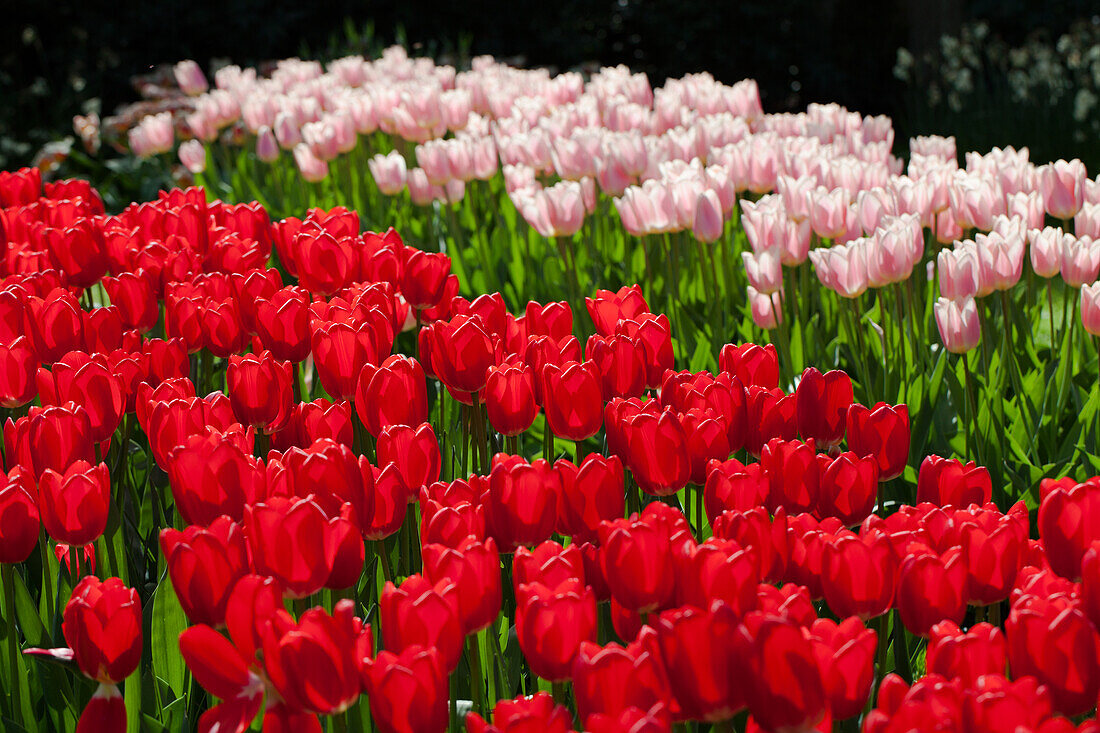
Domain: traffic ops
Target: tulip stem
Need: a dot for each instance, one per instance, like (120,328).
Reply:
(901,649)
(8,575)
(1050,313)
(560,693)
(883,646)
(384,558)
(476,682)
(699,513)
(968,387)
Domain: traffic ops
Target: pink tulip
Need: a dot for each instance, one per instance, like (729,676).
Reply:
(1028,207)
(764,312)
(193,156)
(829,212)
(947,227)
(152,136)
(934,145)
(1046,250)
(571,160)
(190,78)
(975,200)
(871,206)
(1001,261)
(389,172)
(420,189)
(959,271)
(1087,221)
(1080,260)
(795,193)
(287,131)
(842,269)
(1062,185)
(431,156)
(708,224)
(958,322)
(1090,308)
(312,168)
(556,211)
(718,180)
(267,147)
(764,269)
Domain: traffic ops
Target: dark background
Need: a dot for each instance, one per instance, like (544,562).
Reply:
(56,56)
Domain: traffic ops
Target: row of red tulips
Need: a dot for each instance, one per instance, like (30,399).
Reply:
(334,490)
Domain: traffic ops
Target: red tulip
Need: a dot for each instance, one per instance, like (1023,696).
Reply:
(510,398)
(946,482)
(424,278)
(992,556)
(606,309)
(785,686)
(656,452)
(794,474)
(1090,583)
(849,486)
(654,335)
(260,390)
(341,349)
(967,656)
(223,331)
(552,624)
(883,432)
(572,400)
(415,452)
(205,565)
(718,570)
(55,325)
(655,720)
(543,350)
(771,414)
(706,441)
(590,494)
(1069,521)
(845,654)
(88,381)
(463,352)
(860,574)
(252,288)
(637,563)
(609,679)
(18,516)
(211,475)
(325,263)
(328,471)
(174,422)
(18,366)
(408,691)
(537,712)
(931,588)
(391,498)
(703,661)
(823,401)
(1053,641)
(314,664)
(102,625)
(102,330)
(752,364)
(282,323)
(74,504)
(21,187)
(222,671)
(418,613)
(620,363)
(106,711)
(288,541)
(450,525)
(474,569)
(522,503)
(1023,704)
(394,393)
(733,486)
(549,564)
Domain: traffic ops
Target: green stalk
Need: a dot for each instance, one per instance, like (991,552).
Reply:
(476,682)
(7,573)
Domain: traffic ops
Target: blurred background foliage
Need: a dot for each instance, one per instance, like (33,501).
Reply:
(991,72)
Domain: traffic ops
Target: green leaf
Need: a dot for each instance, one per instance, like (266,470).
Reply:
(168,623)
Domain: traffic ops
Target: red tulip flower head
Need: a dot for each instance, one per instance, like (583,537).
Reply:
(883,432)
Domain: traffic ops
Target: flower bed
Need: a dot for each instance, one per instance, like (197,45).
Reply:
(292,470)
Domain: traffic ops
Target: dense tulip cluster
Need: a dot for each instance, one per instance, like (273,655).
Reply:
(357,484)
